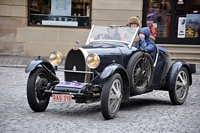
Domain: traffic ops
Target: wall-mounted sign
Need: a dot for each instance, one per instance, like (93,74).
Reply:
(192,25)
(61,7)
(181,27)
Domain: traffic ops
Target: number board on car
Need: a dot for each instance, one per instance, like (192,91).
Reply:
(62,97)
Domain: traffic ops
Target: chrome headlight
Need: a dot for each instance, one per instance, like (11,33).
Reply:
(93,60)
(55,58)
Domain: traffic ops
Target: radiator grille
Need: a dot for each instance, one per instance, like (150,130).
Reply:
(75,59)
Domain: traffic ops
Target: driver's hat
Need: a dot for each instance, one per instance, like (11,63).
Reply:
(134,20)
(112,25)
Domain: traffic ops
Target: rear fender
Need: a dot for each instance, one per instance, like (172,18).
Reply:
(33,64)
(173,71)
(117,68)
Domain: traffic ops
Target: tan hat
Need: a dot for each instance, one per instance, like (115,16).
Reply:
(134,20)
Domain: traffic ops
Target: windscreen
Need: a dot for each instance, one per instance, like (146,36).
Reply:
(112,33)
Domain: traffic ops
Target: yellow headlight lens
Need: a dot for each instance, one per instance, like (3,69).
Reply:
(55,58)
(93,60)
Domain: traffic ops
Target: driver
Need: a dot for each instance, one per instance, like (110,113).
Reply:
(113,32)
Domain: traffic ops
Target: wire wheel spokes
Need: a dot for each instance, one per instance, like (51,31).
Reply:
(115,96)
(181,84)
(38,87)
(141,72)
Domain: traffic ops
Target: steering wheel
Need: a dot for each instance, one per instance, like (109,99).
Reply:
(103,36)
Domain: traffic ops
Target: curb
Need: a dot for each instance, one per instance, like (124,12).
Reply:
(14,66)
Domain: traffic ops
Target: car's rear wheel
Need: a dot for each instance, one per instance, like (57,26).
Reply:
(179,91)
(140,70)
(111,96)
(37,83)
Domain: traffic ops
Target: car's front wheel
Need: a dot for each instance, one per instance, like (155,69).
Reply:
(179,91)
(37,83)
(111,96)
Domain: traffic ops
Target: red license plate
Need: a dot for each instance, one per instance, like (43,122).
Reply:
(62,97)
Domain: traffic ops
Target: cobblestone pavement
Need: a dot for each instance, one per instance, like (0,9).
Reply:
(148,113)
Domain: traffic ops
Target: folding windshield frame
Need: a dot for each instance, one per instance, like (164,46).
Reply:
(125,42)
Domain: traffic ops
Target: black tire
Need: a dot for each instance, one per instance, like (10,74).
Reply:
(179,91)
(111,96)
(140,71)
(37,83)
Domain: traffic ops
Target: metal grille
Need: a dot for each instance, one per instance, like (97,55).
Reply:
(75,60)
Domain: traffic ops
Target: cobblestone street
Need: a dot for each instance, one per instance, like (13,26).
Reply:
(152,112)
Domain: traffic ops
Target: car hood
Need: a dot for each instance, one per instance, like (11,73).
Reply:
(107,53)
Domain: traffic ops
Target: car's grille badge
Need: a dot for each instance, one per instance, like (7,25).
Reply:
(74,68)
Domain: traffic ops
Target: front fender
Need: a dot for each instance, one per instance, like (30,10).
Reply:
(117,68)
(33,64)
(173,71)
(109,70)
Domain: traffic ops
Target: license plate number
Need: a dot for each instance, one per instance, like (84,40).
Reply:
(62,97)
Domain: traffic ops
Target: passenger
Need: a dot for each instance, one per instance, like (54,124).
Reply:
(145,42)
(133,22)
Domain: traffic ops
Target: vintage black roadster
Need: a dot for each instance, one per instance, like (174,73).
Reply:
(106,70)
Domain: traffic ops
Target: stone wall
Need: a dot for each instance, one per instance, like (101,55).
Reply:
(13,15)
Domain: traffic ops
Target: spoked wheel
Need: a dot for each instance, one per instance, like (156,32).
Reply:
(111,96)
(179,91)
(37,83)
(140,70)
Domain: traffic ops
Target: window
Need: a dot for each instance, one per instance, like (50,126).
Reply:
(158,17)
(187,19)
(173,21)
(70,13)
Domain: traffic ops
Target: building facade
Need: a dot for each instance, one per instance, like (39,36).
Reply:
(37,27)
